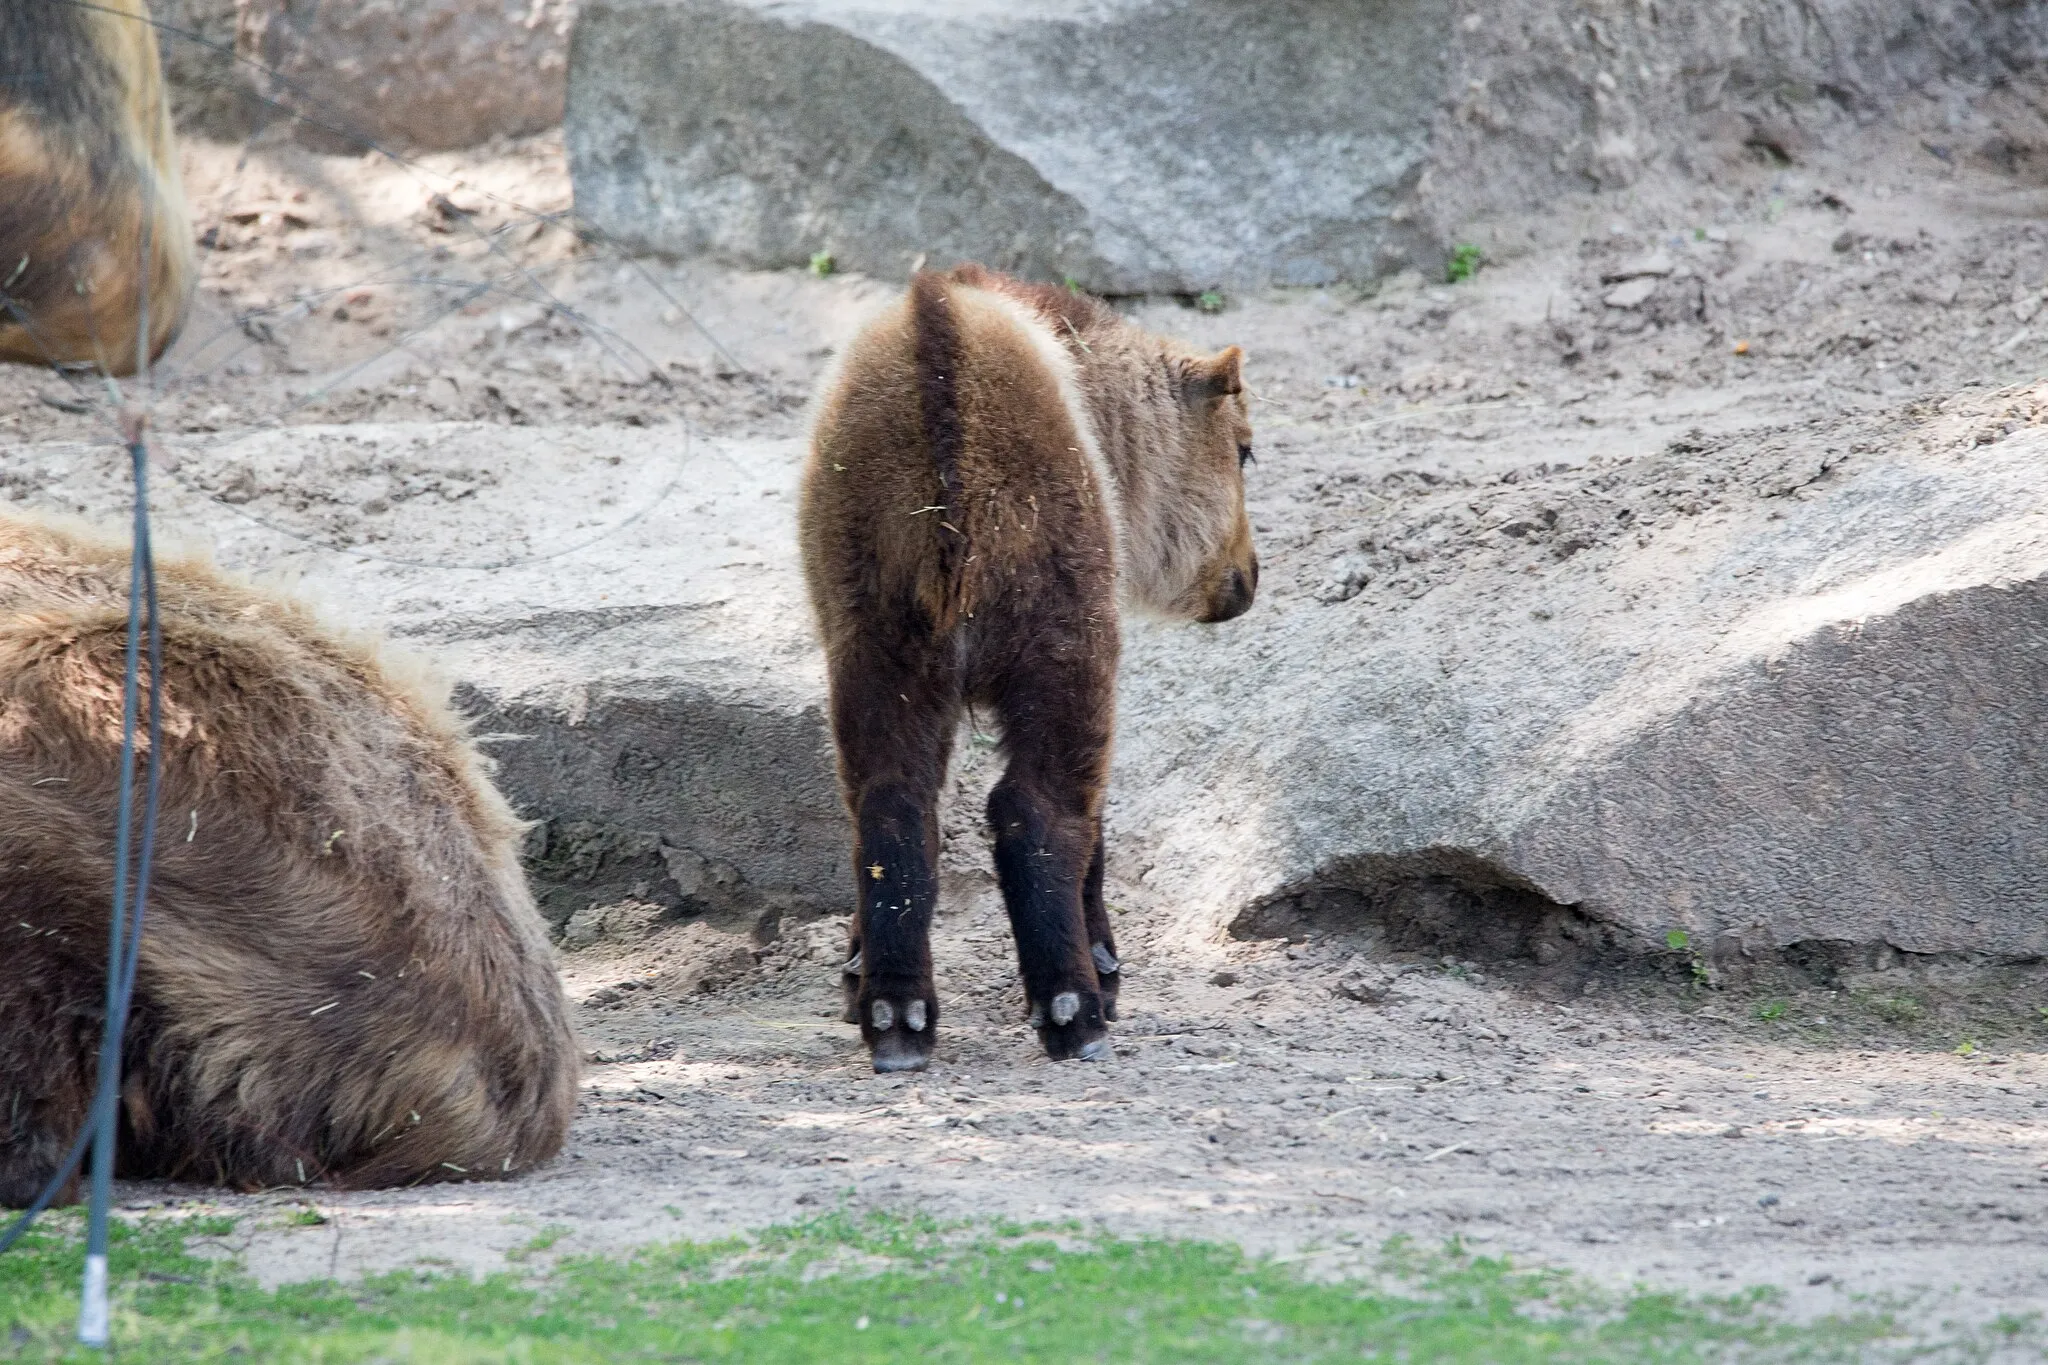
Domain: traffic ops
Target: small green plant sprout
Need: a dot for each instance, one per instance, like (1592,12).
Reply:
(1967,1048)
(1699,234)
(1464,263)
(1678,941)
(539,1242)
(305,1217)
(822,264)
(1072,285)
(1209,301)
(1771,1010)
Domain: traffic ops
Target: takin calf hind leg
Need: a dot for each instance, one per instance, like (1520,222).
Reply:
(1043,850)
(890,977)
(1101,939)
(893,725)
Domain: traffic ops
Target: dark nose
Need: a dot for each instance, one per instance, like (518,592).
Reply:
(1236,598)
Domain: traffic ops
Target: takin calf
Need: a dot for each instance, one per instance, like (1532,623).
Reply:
(342,975)
(990,463)
(94,235)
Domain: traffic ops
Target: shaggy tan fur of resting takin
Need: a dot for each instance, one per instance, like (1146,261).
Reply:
(343,977)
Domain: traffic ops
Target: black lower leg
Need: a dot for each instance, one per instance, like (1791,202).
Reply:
(1101,940)
(1042,861)
(894,1001)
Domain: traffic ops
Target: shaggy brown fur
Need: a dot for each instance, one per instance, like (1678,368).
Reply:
(93,225)
(342,974)
(990,464)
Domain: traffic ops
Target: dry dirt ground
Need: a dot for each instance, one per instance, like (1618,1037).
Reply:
(1834,1133)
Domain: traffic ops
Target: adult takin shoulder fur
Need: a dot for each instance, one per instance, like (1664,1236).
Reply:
(342,975)
(96,261)
(993,467)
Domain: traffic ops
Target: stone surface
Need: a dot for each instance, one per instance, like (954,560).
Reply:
(1808,715)
(1547,96)
(425,74)
(1180,145)
(210,95)
(1811,709)
(1631,293)
(1132,145)
(651,700)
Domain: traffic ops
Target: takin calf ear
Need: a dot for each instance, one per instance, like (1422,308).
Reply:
(1217,377)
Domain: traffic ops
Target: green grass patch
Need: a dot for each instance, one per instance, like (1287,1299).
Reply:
(889,1289)
(1464,263)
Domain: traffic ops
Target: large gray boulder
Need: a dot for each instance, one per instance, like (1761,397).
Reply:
(1779,688)
(1130,145)
(1177,145)
(1746,691)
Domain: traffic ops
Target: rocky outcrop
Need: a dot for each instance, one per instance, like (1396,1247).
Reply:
(413,74)
(1745,692)
(1179,145)
(1547,96)
(1781,687)
(651,701)
(1132,146)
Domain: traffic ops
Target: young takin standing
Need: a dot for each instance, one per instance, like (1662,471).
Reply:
(993,466)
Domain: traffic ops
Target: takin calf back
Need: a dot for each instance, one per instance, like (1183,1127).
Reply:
(342,975)
(94,235)
(992,465)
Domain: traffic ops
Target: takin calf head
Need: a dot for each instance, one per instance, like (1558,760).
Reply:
(1197,540)
(1173,429)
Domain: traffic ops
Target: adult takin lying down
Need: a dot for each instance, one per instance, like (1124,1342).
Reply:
(342,975)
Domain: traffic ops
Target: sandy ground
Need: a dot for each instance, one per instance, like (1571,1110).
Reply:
(1310,1098)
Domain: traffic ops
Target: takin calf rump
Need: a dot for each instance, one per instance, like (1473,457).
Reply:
(94,236)
(342,975)
(992,464)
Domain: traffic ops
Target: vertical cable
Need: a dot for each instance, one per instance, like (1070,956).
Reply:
(92,1308)
(124,938)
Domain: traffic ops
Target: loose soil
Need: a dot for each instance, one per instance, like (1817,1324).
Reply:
(1838,1129)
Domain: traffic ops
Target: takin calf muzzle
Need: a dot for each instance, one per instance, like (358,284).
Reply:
(994,468)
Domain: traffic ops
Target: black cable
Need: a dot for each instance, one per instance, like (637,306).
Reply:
(125,942)
(125,929)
